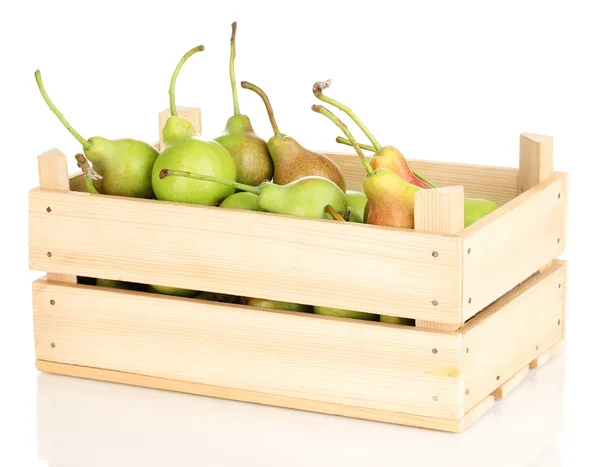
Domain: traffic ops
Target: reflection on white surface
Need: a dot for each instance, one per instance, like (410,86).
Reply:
(84,423)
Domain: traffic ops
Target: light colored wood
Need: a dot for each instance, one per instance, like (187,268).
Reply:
(512,332)
(77,182)
(52,167)
(350,362)
(330,408)
(547,355)
(535,160)
(512,243)
(441,210)
(193,114)
(505,389)
(476,413)
(497,184)
(317,262)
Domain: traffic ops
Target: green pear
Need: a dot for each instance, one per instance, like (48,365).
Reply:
(218,297)
(396,320)
(186,150)
(356,205)
(291,160)
(121,285)
(241,200)
(174,291)
(306,197)
(249,151)
(263,303)
(476,209)
(124,164)
(324,310)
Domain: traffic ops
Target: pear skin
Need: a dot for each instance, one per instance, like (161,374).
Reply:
(390,158)
(391,200)
(174,291)
(277,305)
(241,200)
(292,161)
(324,310)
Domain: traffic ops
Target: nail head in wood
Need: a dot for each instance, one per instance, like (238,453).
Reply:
(469,251)
(467,350)
(559,196)
(498,378)
(467,392)
(558,240)
(435,254)
(434,303)
(434,351)
(48,209)
(470,299)
(559,322)
(435,398)
(53,345)
(49,254)
(52,302)
(537,347)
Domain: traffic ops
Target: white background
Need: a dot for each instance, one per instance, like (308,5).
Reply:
(448,81)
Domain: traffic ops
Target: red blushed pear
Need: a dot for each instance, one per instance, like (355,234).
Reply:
(391,200)
(385,157)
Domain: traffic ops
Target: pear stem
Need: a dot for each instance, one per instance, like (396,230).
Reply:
(263,96)
(181,173)
(318,92)
(366,147)
(89,182)
(322,110)
(173,108)
(84,142)
(333,213)
(236,104)
(423,178)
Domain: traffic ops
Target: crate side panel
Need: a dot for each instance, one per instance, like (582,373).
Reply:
(316,262)
(512,332)
(498,184)
(512,243)
(362,364)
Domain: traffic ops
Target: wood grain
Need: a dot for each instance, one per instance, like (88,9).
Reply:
(512,332)
(193,114)
(52,167)
(536,160)
(99,374)
(316,262)
(441,210)
(544,358)
(506,388)
(497,184)
(512,243)
(350,362)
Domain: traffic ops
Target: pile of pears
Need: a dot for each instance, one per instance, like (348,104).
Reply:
(240,170)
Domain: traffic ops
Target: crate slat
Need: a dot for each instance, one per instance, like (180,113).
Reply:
(497,184)
(317,262)
(510,385)
(512,243)
(512,332)
(335,360)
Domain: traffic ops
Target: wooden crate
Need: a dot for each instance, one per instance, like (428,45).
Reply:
(488,300)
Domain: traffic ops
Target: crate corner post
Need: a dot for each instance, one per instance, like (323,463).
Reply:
(54,175)
(441,210)
(536,160)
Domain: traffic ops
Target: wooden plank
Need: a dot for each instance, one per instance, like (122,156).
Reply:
(512,243)
(544,358)
(317,262)
(193,114)
(153,382)
(498,184)
(77,182)
(350,362)
(505,389)
(441,210)
(535,160)
(52,166)
(512,332)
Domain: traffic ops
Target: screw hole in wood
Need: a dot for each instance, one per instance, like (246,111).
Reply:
(48,209)
(434,351)
(52,302)
(53,345)
(434,302)
(49,255)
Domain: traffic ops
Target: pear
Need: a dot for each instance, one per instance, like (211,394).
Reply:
(174,291)
(356,205)
(114,284)
(242,200)
(125,165)
(291,160)
(250,152)
(218,297)
(306,197)
(263,303)
(186,150)
(391,200)
(323,310)
(396,320)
